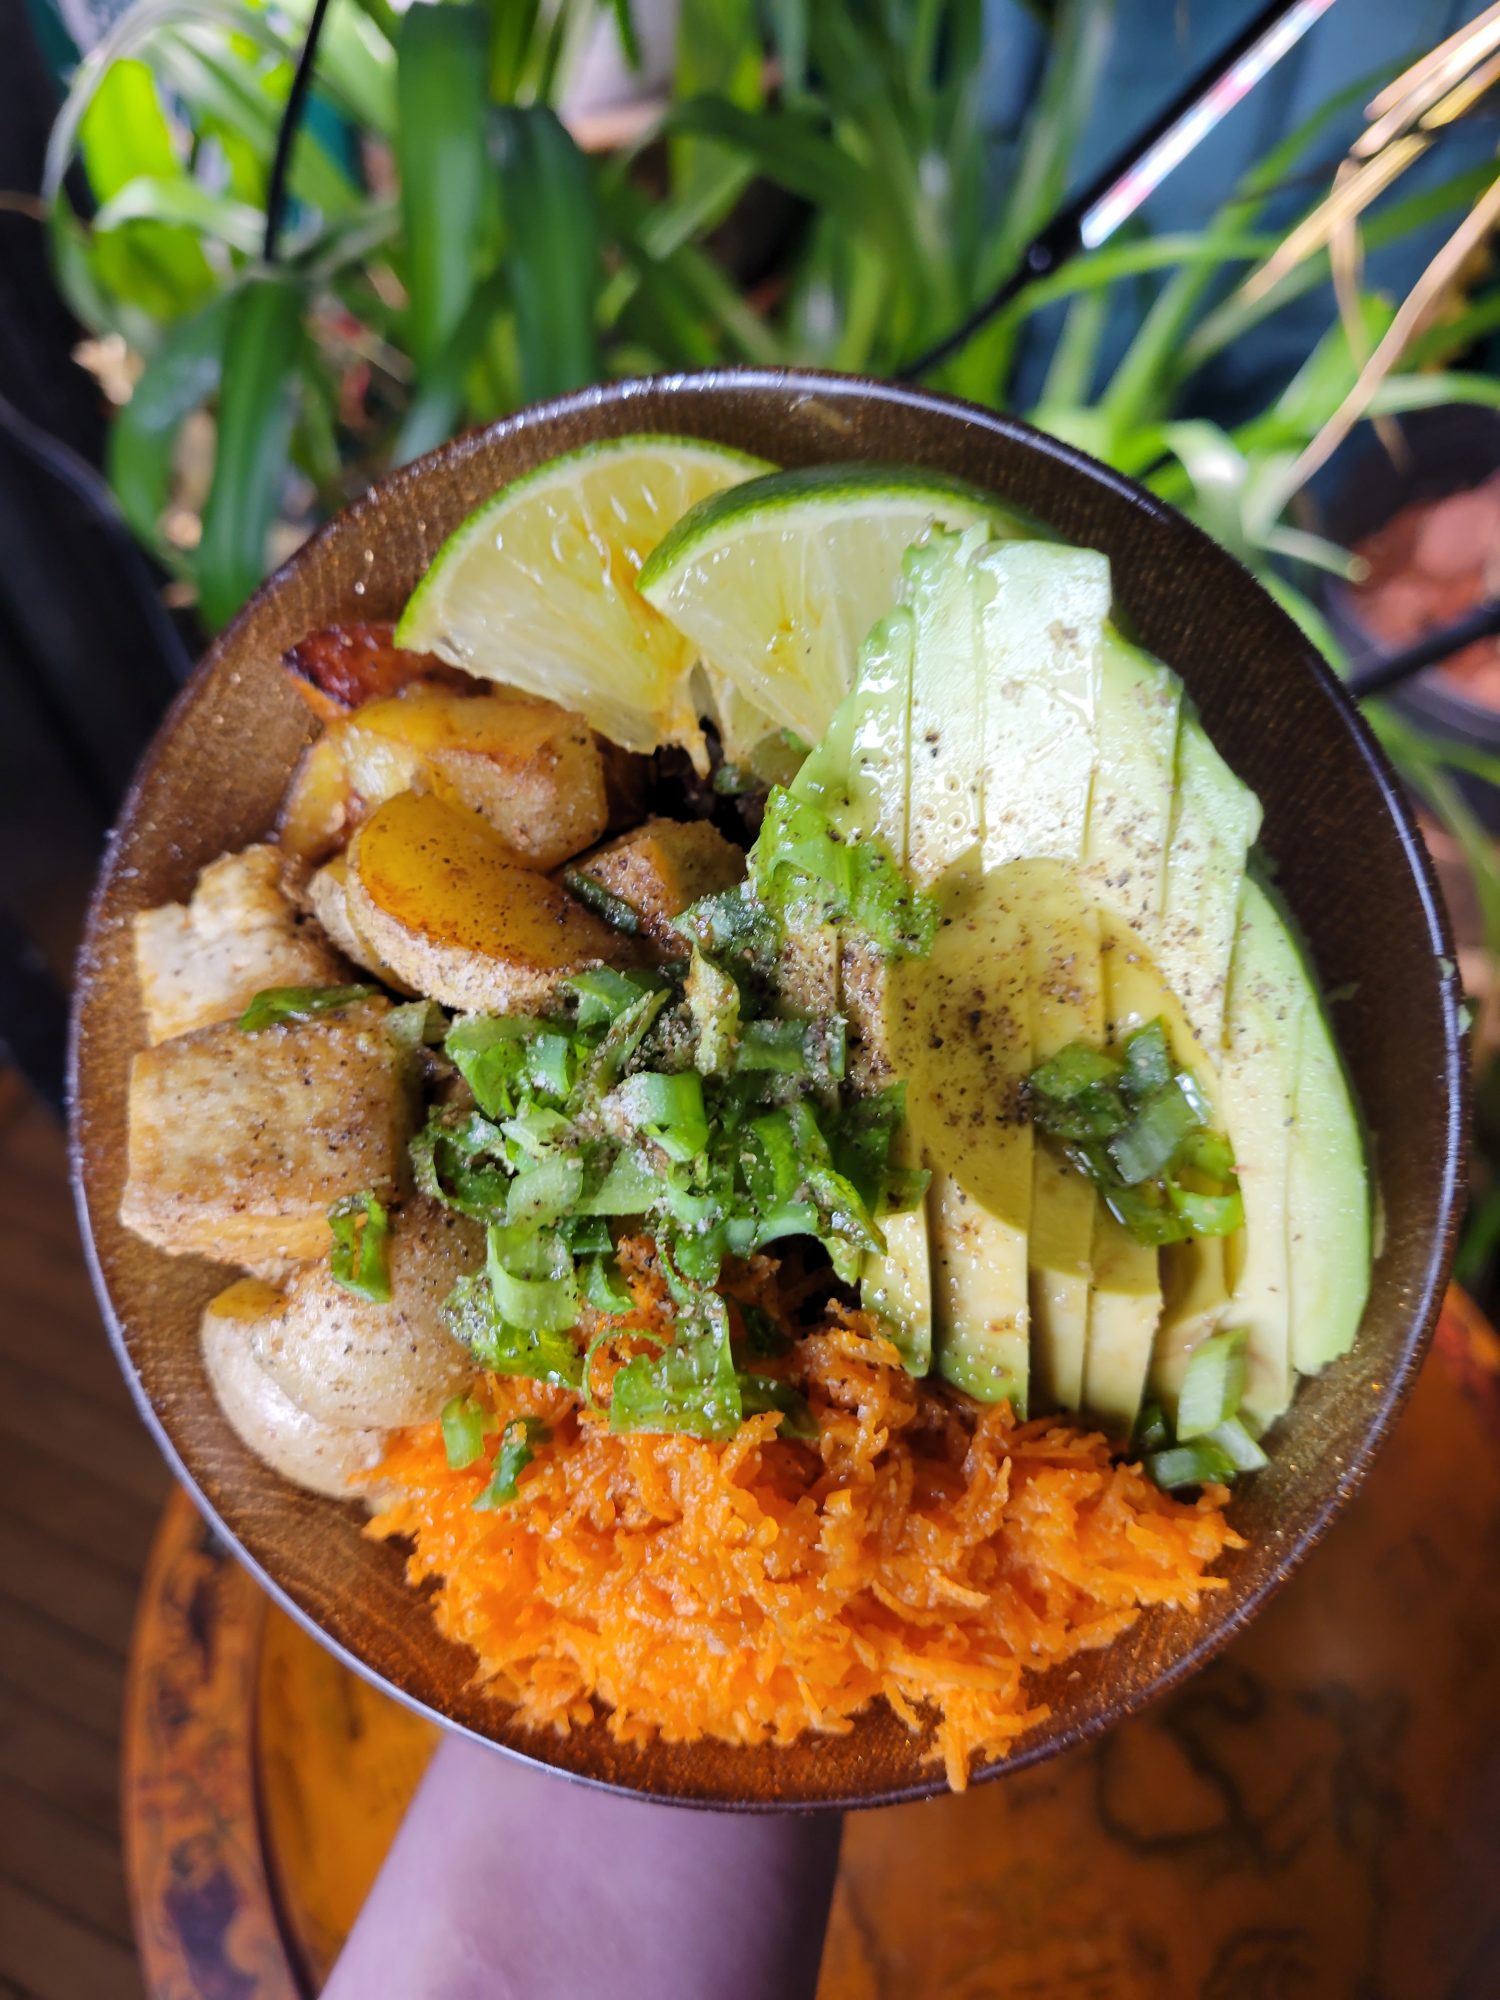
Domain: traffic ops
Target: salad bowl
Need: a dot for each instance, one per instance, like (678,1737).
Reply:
(1352,869)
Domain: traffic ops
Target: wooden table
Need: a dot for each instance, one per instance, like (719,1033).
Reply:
(1316,1816)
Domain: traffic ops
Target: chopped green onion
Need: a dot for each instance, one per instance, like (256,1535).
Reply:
(1073,1071)
(418,1024)
(1147,1060)
(466,1425)
(1148,1144)
(1208,1214)
(1151,1433)
(275,1005)
(540,1132)
(359,1260)
(713,1000)
(461,1164)
(604,903)
(1197,1464)
(516,1452)
(1212,1387)
(1237,1445)
(604,1288)
(668,1110)
(628,1188)
(489,1051)
(773,1045)
(470,1315)
(532,1279)
(545,1193)
(603,994)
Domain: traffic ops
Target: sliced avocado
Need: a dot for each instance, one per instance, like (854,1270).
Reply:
(959,1028)
(1124,1307)
(898,1285)
(1067,1006)
(1130,806)
(1267,1001)
(1195,1293)
(1215,818)
(1328,1194)
(1040,632)
(944,804)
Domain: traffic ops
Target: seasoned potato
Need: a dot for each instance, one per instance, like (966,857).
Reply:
(316,812)
(239,1144)
(325,1458)
(532,770)
(659,868)
(343,666)
(347,1361)
(205,960)
(328,898)
(441,899)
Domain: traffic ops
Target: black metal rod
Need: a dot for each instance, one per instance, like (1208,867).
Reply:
(1376,672)
(1062,238)
(286,135)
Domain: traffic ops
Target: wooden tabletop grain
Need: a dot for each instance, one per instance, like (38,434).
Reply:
(81,1487)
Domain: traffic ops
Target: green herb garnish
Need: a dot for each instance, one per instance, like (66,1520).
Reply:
(1138,1129)
(359,1259)
(517,1442)
(466,1424)
(604,903)
(274,1006)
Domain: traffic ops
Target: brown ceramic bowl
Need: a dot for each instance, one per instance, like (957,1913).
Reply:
(1351,865)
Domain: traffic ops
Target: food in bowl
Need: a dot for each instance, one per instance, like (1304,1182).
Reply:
(798,1178)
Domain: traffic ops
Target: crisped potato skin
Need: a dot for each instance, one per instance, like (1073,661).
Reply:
(532,770)
(434,890)
(325,1458)
(205,961)
(315,813)
(327,896)
(342,666)
(239,1144)
(346,1361)
(663,866)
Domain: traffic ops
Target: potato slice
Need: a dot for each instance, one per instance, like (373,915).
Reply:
(325,1458)
(340,1358)
(532,770)
(205,960)
(343,666)
(443,901)
(657,869)
(316,812)
(327,894)
(239,1144)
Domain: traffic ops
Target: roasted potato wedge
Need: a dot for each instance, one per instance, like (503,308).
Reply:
(318,807)
(325,1458)
(343,666)
(240,1143)
(657,869)
(205,960)
(347,1361)
(442,900)
(533,771)
(327,895)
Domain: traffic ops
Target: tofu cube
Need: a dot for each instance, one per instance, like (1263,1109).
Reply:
(205,960)
(658,869)
(240,1143)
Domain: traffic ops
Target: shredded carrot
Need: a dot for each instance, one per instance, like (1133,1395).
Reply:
(926,1551)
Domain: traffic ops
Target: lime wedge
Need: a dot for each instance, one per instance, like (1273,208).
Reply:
(537,587)
(778,580)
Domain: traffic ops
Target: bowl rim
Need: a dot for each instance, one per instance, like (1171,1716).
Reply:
(1422,1309)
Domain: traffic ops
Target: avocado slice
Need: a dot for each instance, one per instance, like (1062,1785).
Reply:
(1215,819)
(1130,806)
(1124,1307)
(1267,1002)
(1330,1223)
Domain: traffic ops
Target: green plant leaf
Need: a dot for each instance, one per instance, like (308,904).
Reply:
(125,138)
(440,150)
(256,409)
(718,54)
(180,377)
(183,202)
(552,248)
(787,147)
